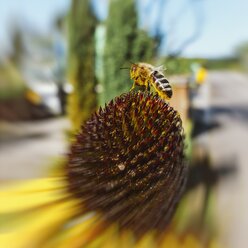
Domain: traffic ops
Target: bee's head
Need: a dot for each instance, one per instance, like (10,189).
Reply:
(133,70)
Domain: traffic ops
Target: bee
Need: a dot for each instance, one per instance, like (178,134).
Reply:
(147,75)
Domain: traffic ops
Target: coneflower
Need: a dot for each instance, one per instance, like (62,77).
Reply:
(125,175)
(128,162)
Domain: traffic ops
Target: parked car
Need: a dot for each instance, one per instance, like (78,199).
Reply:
(43,93)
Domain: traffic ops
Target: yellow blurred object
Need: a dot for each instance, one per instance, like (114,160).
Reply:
(201,75)
(32,97)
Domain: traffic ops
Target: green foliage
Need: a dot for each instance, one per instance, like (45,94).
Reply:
(124,43)
(182,65)
(18,48)
(11,82)
(242,49)
(223,64)
(143,47)
(121,27)
(82,25)
(242,55)
(179,65)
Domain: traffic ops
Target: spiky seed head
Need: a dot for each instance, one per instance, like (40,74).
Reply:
(128,162)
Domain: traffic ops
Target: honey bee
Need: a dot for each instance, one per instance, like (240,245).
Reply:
(147,75)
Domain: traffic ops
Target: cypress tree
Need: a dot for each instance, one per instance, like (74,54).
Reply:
(82,24)
(121,27)
(125,43)
(144,47)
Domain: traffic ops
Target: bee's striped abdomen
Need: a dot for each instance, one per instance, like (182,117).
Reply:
(161,84)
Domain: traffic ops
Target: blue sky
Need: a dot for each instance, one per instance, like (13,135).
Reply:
(223,22)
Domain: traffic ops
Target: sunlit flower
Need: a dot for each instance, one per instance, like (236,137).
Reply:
(124,177)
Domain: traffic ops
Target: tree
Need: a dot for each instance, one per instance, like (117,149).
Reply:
(242,54)
(82,24)
(144,47)
(18,46)
(124,43)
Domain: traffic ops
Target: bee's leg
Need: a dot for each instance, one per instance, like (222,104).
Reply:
(148,87)
(132,86)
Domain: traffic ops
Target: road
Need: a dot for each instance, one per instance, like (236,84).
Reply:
(27,149)
(227,97)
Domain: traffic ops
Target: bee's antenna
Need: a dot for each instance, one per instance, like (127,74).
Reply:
(125,68)
(132,63)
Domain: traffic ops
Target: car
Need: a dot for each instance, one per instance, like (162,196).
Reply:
(43,93)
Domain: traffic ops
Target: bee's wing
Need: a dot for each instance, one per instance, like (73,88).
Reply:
(160,68)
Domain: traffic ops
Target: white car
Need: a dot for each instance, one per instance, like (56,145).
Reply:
(44,94)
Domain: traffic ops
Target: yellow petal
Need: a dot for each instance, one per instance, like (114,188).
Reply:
(170,240)
(78,235)
(40,226)
(30,194)
(191,242)
(147,241)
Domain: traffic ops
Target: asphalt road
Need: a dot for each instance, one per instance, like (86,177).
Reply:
(27,149)
(226,94)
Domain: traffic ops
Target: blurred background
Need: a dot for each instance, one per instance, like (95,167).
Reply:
(61,59)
